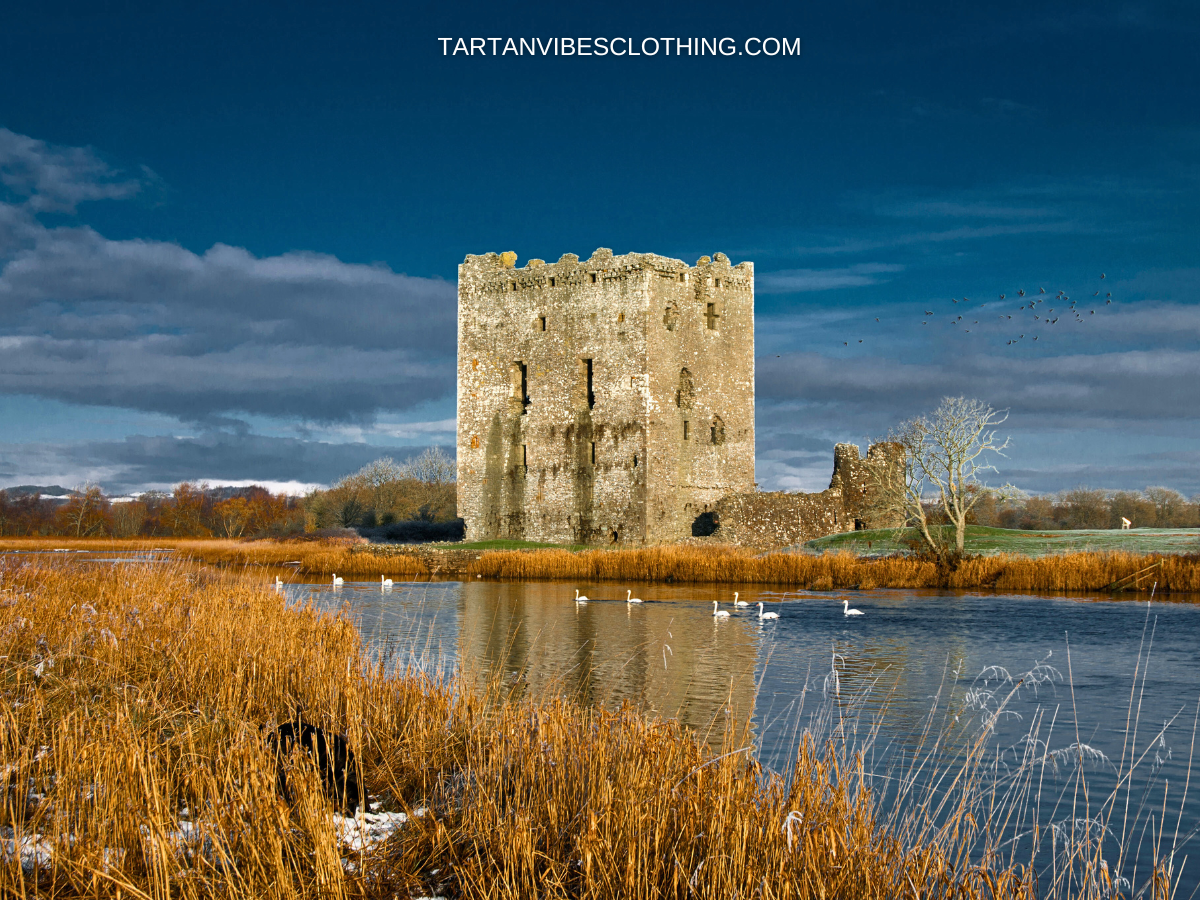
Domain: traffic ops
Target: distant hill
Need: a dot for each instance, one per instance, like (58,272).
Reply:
(52,490)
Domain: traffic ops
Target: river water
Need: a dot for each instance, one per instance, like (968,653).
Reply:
(1111,676)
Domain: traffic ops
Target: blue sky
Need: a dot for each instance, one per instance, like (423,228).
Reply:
(229,235)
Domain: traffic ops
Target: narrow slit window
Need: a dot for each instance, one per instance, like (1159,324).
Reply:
(593,453)
(542,322)
(717,283)
(635,460)
(712,316)
(524,456)
(512,285)
(593,274)
(685,429)
(591,394)
(683,276)
(553,281)
(520,385)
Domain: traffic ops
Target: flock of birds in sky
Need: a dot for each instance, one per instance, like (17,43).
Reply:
(1031,320)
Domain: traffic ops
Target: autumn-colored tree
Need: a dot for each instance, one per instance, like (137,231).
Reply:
(231,516)
(185,514)
(129,518)
(86,514)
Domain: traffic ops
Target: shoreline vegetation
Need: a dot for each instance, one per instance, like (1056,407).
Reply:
(1093,571)
(136,700)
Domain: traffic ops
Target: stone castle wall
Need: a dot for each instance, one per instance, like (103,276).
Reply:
(607,400)
(769,520)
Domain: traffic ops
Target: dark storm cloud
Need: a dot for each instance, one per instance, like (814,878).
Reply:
(152,326)
(140,460)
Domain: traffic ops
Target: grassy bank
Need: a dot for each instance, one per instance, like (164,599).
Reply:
(312,558)
(134,701)
(982,539)
(732,565)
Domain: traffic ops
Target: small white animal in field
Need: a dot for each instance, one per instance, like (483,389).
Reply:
(847,611)
(737,602)
(629,598)
(763,615)
(1125,523)
(579,599)
(278,583)
(385,582)
(719,613)
(337,581)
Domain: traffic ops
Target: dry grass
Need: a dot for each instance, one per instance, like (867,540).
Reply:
(134,697)
(322,558)
(732,565)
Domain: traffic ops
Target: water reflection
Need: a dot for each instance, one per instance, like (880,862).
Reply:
(885,669)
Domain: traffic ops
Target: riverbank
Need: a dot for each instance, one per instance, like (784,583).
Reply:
(136,700)
(1092,572)
(1088,572)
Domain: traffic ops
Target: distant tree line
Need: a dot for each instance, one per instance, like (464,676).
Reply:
(384,492)
(421,489)
(1081,507)
(191,510)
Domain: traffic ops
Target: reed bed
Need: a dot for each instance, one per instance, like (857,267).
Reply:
(732,565)
(315,558)
(134,700)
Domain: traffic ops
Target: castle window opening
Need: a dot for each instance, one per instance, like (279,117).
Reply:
(717,430)
(520,385)
(685,429)
(552,281)
(635,460)
(593,274)
(524,459)
(591,394)
(712,316)
(615,537)
(686,395)
(717,283)
(512,285)
(542,323)
(620,317)
(593,453)
(683,277)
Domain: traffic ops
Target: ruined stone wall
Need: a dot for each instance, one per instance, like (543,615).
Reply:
(569,407)
(769,520)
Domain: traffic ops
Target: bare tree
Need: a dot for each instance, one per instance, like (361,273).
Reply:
(945,452)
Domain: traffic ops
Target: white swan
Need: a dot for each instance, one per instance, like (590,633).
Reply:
(737,602)
(719,613)
(847,611)
(629,598)
(337,581)
(579,599)
(763,615)
(385,582)
(278,582)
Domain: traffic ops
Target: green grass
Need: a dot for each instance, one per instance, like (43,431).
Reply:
(981,539)
(510,545)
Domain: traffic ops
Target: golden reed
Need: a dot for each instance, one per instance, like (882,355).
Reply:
(732,565)
(137,696)
(323,558)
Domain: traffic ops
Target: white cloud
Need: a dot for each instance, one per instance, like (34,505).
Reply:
(57,179)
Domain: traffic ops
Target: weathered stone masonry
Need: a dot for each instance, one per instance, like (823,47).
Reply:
(611,400)
(777,519)
(602,400)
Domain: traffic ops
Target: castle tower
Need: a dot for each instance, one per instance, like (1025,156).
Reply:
(602,400)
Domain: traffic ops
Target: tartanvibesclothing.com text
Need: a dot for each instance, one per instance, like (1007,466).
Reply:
(620,46)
